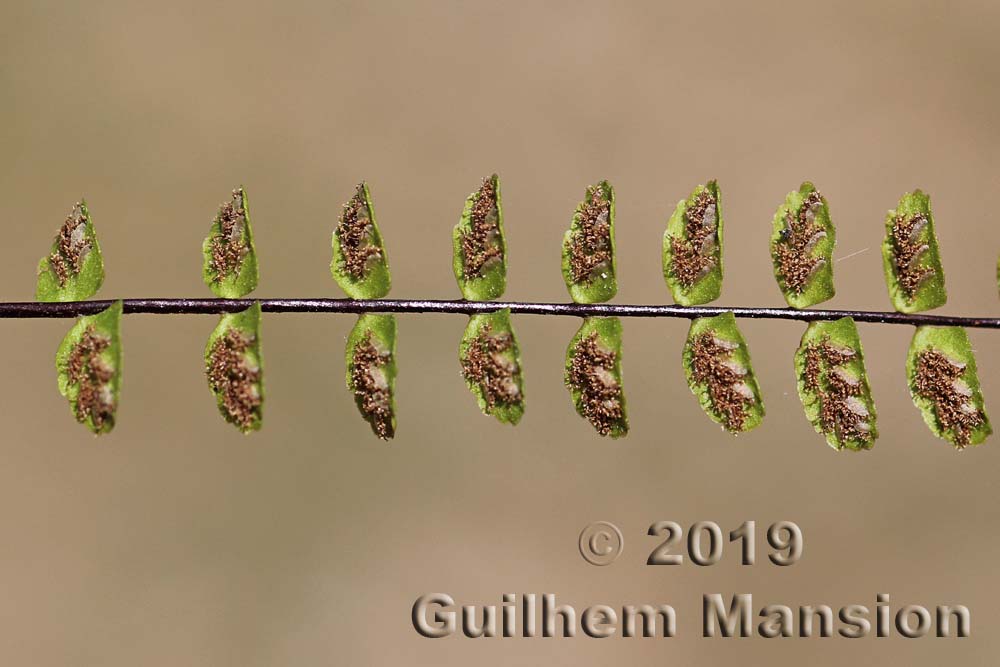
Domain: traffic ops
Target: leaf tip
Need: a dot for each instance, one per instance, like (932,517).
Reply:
(234,368)
(594,377)
(491,365)
(371,371)
(692,247)
(479,245)
(230,267)
(589,265)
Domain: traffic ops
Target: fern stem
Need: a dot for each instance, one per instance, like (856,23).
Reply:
(216,306)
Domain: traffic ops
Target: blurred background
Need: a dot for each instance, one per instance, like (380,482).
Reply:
(176,540)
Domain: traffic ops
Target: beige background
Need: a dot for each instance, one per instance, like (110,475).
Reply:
(177,541)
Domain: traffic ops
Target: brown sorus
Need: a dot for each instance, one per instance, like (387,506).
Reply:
(72,246)
(693,256)
(370,386)
(839,412)
(92,375)
(938,379)
(711,365)
(793,251)
(907,250)
(229,245)
(485,365)
(591,373)
(355,233)
(590,244)
(233,379)
(481,242)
